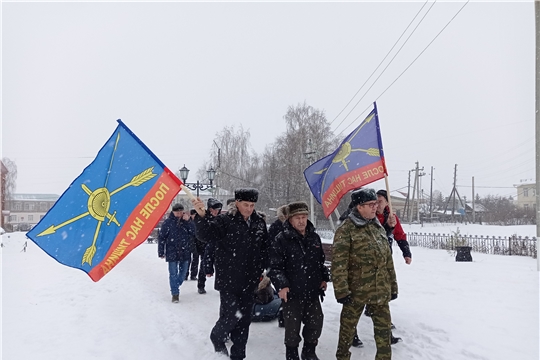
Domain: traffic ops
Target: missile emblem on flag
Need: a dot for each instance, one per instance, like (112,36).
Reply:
(358,161)
(110,209)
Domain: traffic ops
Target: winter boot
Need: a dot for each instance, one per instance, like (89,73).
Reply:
(220,348)
(308,352)
(392,326)
(291,353)
(281,322)
(201,291)
(394,340)
(356,342)
(175,298)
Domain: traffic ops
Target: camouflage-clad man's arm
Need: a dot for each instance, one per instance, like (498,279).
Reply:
(392,273)
(340,260)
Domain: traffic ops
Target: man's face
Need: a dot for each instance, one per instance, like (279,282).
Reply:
(299,222)
(245,207)
(178,213)
(215,212)
(368,210)
(381,204)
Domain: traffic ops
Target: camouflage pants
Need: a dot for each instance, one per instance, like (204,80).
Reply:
(350,314)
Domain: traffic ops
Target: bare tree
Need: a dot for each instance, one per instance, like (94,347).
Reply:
(9,183)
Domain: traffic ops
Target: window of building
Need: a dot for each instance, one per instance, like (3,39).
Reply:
(526,192)
(526,206)
(30,217)
(43,206)
(18,206)
(26,206)
(12,218)
(31,206)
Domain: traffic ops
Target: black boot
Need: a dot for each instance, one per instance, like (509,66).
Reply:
(291,353)
(281,322)
(356,342)
(308,352)
(394,340)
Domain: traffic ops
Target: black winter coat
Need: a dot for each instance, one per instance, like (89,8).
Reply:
(241,252)
(274,230)
(297,262)
(175,238)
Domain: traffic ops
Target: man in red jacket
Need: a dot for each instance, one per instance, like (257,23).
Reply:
(391,224)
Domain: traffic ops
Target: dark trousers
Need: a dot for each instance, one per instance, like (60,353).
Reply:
(296,312)
(193,264)
(201,279)
(234,318)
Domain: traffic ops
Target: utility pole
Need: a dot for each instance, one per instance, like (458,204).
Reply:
(473,213)
(407,209)
(537,118)
(420,198)
(414,190)
(431,198)
(310,155)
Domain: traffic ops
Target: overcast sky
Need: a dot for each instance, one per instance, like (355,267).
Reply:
(177,73)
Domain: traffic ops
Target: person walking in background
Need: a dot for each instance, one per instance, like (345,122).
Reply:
(298,272)
(363,274)
(273,231)
(193,263)
(241,255)
(213,209)
(173,246)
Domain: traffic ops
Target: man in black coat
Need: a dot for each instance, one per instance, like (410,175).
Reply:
(241,255)
(174,246)
(298,272)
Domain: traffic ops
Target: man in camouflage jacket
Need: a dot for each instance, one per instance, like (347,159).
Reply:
(363,273)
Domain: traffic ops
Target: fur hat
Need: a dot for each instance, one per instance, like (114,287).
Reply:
(363,195)
(229,201)
(251,195)
(383,194)
(297,208)
(281,212)
(214,204)
(178,207)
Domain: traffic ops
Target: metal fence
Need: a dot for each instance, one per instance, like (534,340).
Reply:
(498,245)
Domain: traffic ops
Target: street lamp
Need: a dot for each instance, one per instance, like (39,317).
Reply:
(184,172)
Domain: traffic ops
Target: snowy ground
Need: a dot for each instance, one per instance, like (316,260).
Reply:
(484,310)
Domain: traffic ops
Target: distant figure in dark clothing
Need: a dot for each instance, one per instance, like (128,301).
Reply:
(277,226)
(241,255)
(173,246)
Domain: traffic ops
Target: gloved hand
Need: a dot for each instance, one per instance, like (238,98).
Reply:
(393,297)
(345,300)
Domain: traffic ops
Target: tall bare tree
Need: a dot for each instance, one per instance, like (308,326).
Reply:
(9,183)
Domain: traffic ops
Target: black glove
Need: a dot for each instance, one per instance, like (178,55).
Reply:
(393,297)
(345,300)
(321,294)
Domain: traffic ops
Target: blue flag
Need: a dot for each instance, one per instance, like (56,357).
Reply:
(110,209)
(358,161)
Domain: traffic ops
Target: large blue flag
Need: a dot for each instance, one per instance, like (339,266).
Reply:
(358,161)
(110,209)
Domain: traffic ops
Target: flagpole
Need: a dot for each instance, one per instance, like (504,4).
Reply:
(192,197)
(388,193)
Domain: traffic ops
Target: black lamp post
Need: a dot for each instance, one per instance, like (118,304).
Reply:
(184,172)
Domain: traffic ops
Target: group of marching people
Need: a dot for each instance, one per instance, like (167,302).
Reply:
(246,257)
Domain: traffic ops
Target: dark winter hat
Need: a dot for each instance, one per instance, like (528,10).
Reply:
(363,195)
(229,201)
(297,208)
(178,207)
(383,194)
(251,195)
(214,203)
(192,212)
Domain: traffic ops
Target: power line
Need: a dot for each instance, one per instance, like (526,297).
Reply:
(391,60)
(407,68)
(374,71)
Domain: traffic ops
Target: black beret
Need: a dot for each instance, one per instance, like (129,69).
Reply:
(363,195)
(383,194)
(251,195)
(178,207)
(297,208)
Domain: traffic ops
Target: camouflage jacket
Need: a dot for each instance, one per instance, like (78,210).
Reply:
(362,264)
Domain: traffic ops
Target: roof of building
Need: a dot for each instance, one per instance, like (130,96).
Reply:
(36,197)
